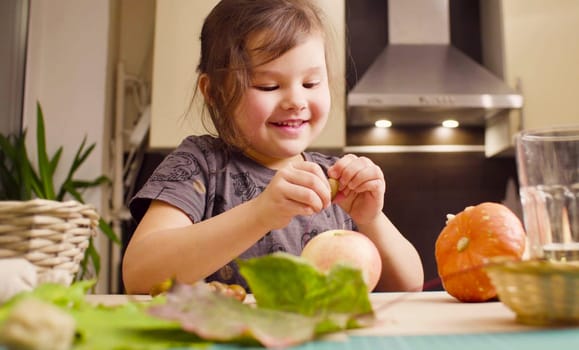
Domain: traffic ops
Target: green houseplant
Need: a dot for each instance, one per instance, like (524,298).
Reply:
(21,180)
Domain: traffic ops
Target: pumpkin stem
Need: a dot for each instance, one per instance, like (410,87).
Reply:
(462,244)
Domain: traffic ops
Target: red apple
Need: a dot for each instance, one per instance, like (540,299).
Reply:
(346,247)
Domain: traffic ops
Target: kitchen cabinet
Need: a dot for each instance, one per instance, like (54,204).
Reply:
(532,45)
(176,55)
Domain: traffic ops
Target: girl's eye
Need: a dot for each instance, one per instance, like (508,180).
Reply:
(311,85)
(266,87)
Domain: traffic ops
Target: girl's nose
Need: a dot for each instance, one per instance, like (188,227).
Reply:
(294,99)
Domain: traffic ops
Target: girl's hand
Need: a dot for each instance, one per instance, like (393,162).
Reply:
(362,187)
(297,189)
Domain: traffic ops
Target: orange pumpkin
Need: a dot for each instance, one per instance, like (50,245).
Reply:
(466,243)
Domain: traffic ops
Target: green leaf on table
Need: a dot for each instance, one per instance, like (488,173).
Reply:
(67,297)
(70,297)
(289,283)
(130,327)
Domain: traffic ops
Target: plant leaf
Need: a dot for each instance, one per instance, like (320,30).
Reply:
(55,160)
(90,255)
(10,187)
(17,174)
(81,156)
(71,185)
(6,147)
(44,166)
(84,184)
(108,231)
(79,159)
(29,178)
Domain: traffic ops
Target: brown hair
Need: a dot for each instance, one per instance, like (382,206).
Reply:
(226,58)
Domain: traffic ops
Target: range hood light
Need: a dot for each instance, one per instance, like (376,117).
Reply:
(383,123)
(450,123)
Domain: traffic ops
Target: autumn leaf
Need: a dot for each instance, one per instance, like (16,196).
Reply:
(295,303)
(216,317)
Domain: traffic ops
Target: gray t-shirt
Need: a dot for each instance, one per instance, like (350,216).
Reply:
(203,180)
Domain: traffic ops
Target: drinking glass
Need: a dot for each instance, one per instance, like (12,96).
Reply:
(548,170)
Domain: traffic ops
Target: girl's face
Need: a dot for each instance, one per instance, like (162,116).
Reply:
(287,104)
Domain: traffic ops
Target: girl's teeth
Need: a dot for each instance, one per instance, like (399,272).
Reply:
(292,124)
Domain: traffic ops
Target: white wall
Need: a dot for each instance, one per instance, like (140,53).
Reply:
(534,43)
(542,49)
(67,73)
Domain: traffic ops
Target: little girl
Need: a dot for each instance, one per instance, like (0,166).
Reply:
(253,189)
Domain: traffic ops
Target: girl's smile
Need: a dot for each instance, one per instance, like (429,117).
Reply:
(291,127)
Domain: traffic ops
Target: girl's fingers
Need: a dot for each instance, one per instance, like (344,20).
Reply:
(305,197)
(307,184)
(336,170)
(369,178)
(352,172)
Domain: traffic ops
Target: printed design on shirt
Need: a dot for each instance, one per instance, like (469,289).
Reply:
(270,245)
(199,186)
(161,190)
(328,213)
(204,146)
(244,186)
(276,247)
(307,236)
(349,224)
(178,166)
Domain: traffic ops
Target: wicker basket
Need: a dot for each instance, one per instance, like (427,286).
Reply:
(540,292)
(52,235)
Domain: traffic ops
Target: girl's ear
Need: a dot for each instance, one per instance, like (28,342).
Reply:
(203,86)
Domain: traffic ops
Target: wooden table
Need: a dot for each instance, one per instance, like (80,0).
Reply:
(437,313)
(431,320)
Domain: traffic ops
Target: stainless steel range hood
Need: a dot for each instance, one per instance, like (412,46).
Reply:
(420,78)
